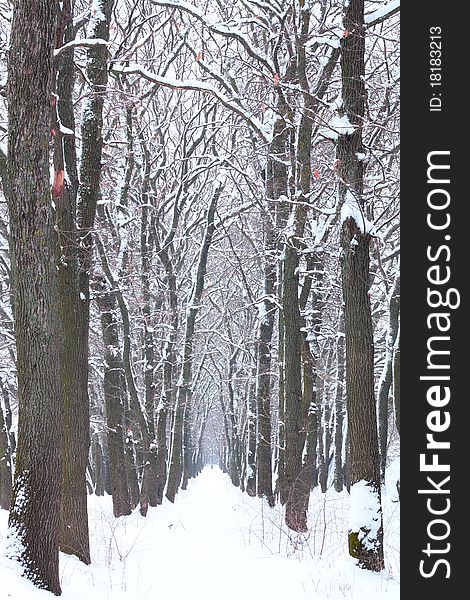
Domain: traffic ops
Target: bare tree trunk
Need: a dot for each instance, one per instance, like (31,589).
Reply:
(8,415)
(99,474)
(298,360)
(200,456)
(387,373)
(276,187)
(235,457)
(320,435)
(264,356)
(281,487)
(251,432)
(162,413)
(74,528)
(149,478)
(312,287)
(347,462)
(396,380)
(5,460)
(167,400)
(187,449)
(339,409)
(365,539)
(135,406)
(323,425)
(227,449)
(35,513)
(300,363)
(74,518)
(114,395)
(295,411)
(131,461)
(328,440)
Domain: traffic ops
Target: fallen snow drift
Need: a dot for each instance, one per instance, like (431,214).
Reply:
(216,542)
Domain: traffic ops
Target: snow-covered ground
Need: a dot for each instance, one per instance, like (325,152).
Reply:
(216,542)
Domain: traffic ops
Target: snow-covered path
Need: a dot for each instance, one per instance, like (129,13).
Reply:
(213,543)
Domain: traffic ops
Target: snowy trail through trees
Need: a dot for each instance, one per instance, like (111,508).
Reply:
(214,542)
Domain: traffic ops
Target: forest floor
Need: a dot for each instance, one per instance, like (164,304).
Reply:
(216,542)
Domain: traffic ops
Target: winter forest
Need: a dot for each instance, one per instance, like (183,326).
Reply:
(199,299)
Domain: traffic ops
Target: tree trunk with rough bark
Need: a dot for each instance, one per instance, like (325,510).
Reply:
(167,400)
(235,454)
(276,188)
(323,425)
(396,380)
(297,356)
(99,471)
(281,489)
(135,409)
(250,484)
(365,541)
(339,409)
(114,389)
(5,461)
(299,372)
(8,415)
(131,460)
(264,357)
(295,413)
(387,374)
(149,478)
(312,289)
(33,536)
(74,536)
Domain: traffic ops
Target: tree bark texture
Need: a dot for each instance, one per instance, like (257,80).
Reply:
(387,373)
(169,363)
(5,461)
(251,433)
(264,357)
(74,535)
(149,478)
(364,453)
(298,488)
(35,515)
(339,409)
(98,472)
(235,454)
(276,187)
(396,381)
(114,388)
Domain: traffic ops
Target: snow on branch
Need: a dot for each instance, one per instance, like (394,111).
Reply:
(319,40)
(84,43)
(268,7)
(351,209)
(220,29)
(198,86)
(383,13)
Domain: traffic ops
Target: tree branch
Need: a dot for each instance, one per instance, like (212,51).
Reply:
(198,86)
(83,43)
(382,14)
